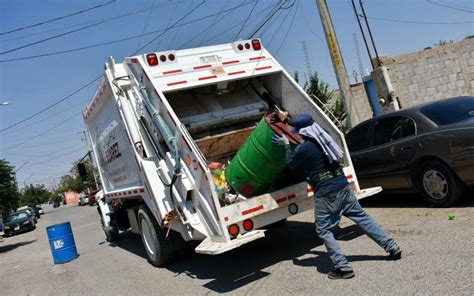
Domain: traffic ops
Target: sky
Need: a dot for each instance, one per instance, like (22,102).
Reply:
(70,37)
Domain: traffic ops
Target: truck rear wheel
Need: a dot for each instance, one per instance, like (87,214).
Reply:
(157,246)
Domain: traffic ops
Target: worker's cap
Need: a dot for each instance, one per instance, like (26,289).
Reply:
(303,120)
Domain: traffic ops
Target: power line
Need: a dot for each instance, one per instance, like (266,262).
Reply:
(179,28)
(118,40)
(52,105)
(270,17)
(289,28)
(177,22)
(215,21)
(69,32)
(57,18)
(417,22)
(39,135)
(90,22)
(246,20)
(168,24)
(81,103)
(449,6)
(146,24)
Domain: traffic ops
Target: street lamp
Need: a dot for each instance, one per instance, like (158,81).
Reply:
(4,103)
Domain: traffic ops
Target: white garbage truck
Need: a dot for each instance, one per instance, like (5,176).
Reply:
(158,121)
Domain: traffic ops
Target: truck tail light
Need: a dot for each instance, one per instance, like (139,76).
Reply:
(256,44)
(248,225)
(163,58)
(247,46)
(152,59)
(234,230)
(171,57)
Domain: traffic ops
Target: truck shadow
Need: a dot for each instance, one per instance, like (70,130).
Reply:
(291,241)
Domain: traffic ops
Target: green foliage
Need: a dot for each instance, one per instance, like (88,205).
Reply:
(35,195)
(9,198)
(443,42)
(72,181)
(315,86)
(331,105)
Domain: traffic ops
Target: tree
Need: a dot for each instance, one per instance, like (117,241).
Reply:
(326,100)
(72,181)
(9,198)
(35,195)
(443,42)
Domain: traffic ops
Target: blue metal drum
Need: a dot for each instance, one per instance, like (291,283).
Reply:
(61,242)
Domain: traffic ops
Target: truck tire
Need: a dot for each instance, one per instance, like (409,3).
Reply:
(157,246)
(438,184)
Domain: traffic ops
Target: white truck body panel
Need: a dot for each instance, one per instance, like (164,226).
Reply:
(146,122)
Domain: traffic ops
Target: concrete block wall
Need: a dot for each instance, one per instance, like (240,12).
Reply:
(423,76)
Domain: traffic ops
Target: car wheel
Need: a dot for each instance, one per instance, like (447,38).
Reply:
(438,184)
(157,246)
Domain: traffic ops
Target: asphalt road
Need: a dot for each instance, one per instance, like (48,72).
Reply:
(438,258)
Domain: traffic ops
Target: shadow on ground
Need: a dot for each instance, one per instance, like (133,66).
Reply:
(7,248)
(410,200)
(229,271)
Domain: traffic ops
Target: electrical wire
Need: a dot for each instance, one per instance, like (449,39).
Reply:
(146,23)
(90,22)
(246,20)
(40,134)
(117,40)
(52,105)
(177,22)
(289,28)
(167,25)
(57,18)
(269,17)
(81,104)
(215,21)
(416,22)
(179,28)
(448,6)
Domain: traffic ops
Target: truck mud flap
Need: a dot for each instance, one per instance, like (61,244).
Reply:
(209,247)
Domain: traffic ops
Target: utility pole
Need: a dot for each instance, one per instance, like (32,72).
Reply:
(90,158)
(336,57)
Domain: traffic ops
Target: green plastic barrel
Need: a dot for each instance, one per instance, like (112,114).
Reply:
(257,164)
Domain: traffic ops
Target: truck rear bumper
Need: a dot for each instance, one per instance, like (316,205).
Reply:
(209,247)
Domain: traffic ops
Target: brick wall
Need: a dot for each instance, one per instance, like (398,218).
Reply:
(419,77)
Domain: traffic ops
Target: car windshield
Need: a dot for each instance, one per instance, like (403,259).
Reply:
(16,216)
(450,111)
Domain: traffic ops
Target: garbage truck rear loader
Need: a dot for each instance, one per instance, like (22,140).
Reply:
(159,122)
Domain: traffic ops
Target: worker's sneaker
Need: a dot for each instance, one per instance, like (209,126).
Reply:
(395,254)
(337,273)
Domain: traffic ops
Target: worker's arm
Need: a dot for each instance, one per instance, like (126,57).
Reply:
(293,160)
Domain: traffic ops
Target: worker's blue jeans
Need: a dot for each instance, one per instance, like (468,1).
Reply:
(329,210)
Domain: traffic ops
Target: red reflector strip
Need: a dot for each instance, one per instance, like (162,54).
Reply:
(246,212)
(230,62)
(257,58)
(172,71)
(202,67)
(291,196)
(177,82)
(349,176)
(263,68)
(235,73)
(280,200)
(207,77)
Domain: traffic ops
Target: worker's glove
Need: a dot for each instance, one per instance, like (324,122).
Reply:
(280,140)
